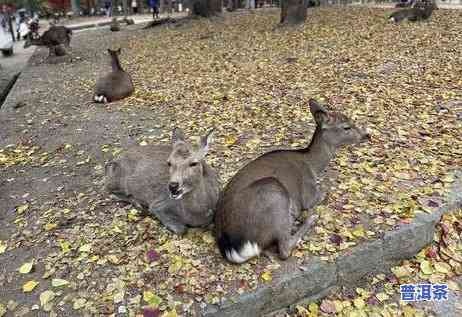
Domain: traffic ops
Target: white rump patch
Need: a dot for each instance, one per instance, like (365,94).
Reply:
(392,19)
(100,98)
(248,251)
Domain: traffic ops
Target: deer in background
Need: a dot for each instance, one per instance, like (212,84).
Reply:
(260,204)
(116,85)
(173,183)
(52,38)
(115,25)
(421,11)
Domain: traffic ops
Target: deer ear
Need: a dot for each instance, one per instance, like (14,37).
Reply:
(177,135)
(119,50)
(109,50)
(205,142)
(319,113)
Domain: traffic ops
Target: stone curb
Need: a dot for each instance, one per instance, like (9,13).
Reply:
(319,277)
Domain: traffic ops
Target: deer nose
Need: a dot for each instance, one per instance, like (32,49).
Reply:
(366,136)
(173,187)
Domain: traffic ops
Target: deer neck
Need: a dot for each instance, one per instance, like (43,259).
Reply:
(196,195)
(319,153)
(115,64)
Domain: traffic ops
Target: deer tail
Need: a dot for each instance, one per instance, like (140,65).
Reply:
(235,249)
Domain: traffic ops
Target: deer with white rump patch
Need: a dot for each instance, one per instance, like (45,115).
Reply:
(115,85)
(259,206)
(173,183)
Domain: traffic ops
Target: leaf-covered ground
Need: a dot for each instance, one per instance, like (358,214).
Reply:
(440,262)
(90,255)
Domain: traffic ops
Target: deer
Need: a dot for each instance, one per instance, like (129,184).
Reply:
(173,182)
(115,25)
(128,21)
(258,208)
(115,85)
(420,11)
(51,38)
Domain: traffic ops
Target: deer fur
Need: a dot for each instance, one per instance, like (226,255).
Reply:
(115,25)
(173,183)
(51,38)
(115,85)
(420,11)
(260,204)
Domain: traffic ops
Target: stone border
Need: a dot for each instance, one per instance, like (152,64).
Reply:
(316,279)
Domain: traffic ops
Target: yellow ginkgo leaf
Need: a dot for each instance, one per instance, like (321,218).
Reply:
(50,226)
(359,303)
(442,267)
(21,209)
(57,282)
(26,267)
(266,276)
(46,297)
(3,246)
(29,286)
(426,267)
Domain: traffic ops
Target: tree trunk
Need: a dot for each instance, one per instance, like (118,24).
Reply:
(205,8)
(293,11)
(125,7)
(75,8)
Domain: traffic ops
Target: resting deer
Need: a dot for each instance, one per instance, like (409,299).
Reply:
(173,183)
(115,25)
(260,204)
(420,11)
(115,85)
(53,37)
(129,21)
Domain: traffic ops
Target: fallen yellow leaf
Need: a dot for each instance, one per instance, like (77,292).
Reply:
(29,286)
(26,267)
(266,276)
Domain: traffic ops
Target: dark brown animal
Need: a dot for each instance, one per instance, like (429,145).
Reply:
(260,204)
(53,37)
(115,25)
(115,85)
(420,11)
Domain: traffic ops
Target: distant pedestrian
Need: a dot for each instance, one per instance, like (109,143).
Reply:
(154,4)
(135,6)
(108,7)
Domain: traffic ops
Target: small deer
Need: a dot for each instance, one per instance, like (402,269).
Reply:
(420,11)
(115,25)
(51,38)
(128,21)
(115,85)
(173,183)
(259,206)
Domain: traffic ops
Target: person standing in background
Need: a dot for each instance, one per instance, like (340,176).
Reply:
(108,7)
(154,4)
(135,6)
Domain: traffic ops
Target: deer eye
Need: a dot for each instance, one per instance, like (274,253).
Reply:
(169,164)
(347,128)
(192,164)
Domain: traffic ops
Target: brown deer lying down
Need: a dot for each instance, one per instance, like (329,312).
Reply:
(259,205)
(115,25)
(420,11)
(116,85)
(51,38)
(173,183)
